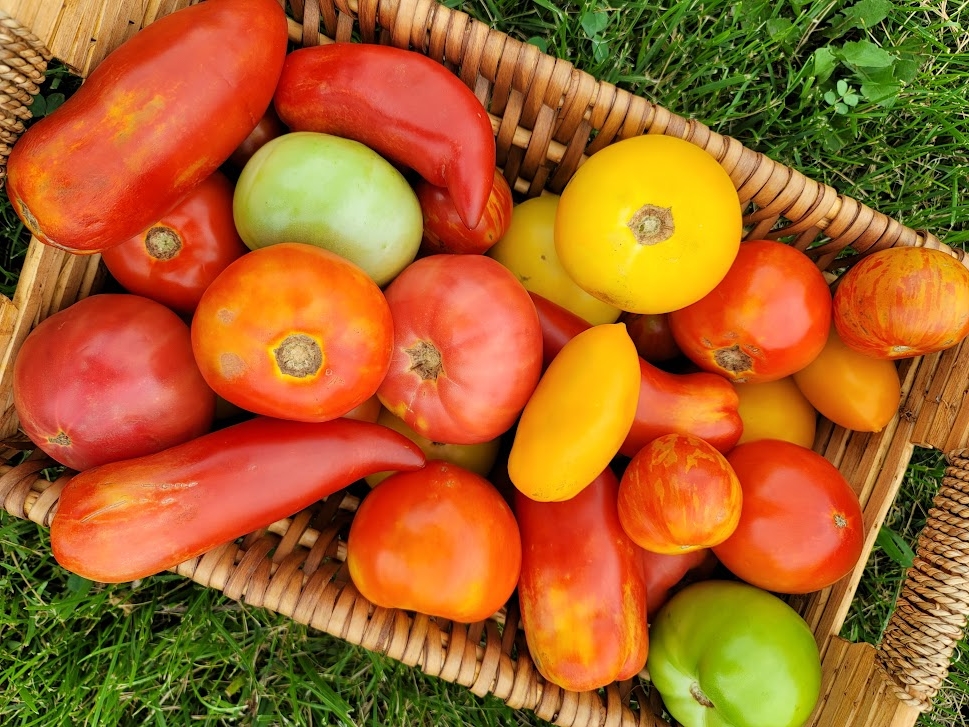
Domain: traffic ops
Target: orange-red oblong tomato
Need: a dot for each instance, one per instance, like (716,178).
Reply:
(176,259)
(766,319)
(800,527)
(679,494)
(293,331)
(440,541)
(903,302)
(445,232)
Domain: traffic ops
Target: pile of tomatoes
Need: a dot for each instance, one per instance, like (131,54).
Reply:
(602,403)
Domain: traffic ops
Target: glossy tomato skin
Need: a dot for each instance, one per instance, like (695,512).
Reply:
(267,129)
(582,590)
(445,231)
(766,319)
(679,494)
(652,335)
(134,357)
(440,541)
(295,332)
(801,526)
(667,573)
(467,350)
(776,410)
(903,302)
(161,113)
(183,501)
(176,259)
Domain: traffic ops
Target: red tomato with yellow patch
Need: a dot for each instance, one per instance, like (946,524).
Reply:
(467,350)
(679,494)
(445,232)
(293,331)
(176,259)
(801,525)
(440,541)
(766,319)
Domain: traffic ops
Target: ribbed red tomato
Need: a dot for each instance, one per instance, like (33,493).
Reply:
(767,318)
(444,231)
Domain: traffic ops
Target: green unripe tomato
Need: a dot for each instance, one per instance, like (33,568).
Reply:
(331,192)
(727,654)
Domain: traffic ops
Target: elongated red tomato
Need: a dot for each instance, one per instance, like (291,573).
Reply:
(178,257)
(467,351)
(137,517)
(400,103)
(582,589)
(155,118)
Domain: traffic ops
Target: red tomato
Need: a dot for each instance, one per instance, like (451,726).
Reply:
(440,541)
(176,259)
(664,573)
(109,378)
(268,128)
(652,335)
(368,411)
(467,351)
(679,494)
(766,319)
(293,331)
(801,525)
(444,231)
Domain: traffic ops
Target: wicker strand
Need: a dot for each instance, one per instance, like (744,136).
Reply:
(930,616)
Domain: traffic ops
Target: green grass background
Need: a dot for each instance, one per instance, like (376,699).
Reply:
(870,97)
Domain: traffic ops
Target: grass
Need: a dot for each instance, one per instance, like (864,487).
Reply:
(870,97)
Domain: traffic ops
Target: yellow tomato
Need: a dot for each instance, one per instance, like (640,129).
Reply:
(528,249)
(649,224)
(776,410)
(478,458)
(849,388)
(578,416)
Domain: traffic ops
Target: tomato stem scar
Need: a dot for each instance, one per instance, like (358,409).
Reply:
(62,439)
(425,360)
(163,243)
(651,225)
(299,356)
(733,360)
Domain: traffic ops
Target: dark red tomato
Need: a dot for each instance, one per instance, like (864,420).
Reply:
(767,319)
(444,231)
(467,351)
(268,128)
(110,378)
(652,335)
(440,541)
(176,259)
(800,527)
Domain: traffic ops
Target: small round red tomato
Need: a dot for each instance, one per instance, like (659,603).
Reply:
(293,331)
(176,259)
(903,302)
(800,527)
(767,318)
(679,494)
(440,541)
(467,350)
(268,128)
(652,335)
(445,232)
(111,377)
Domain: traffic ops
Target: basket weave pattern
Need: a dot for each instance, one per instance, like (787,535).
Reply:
(548,117)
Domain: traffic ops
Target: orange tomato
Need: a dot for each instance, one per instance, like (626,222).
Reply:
(293,331)
(776,410)
(851,389)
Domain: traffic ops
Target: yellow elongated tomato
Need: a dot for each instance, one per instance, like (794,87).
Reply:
(578,416)
(852,390)
(649,224)
(528,249)
(776,410)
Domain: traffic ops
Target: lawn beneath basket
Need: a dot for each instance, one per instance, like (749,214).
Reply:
(871,98)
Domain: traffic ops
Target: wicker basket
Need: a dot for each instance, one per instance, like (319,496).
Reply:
(544,112)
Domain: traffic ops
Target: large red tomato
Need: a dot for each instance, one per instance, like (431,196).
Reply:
(800,527)
(467,351)
(109,378)
(176,259)
(440,541)
(767,318)
(293,331)
(444,231)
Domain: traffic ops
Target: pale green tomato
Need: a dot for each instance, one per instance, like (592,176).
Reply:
(330,192)
(727,654)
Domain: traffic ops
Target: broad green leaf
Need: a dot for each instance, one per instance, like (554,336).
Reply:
(600,50)
(594,23)
(38,107)
(842,87)
(53,102)
(831,97)
(778,28)
(825,62)
(906,70)
(865,54)
(539,43)
(880,92)
(867,13)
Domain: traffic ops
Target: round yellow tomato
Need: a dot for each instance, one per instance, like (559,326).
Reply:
(578,416)
(849,388)
(477,458)
(528,249)
(649,224)
(776,410)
